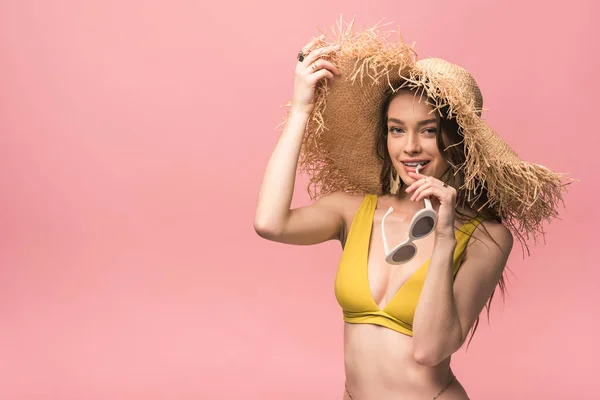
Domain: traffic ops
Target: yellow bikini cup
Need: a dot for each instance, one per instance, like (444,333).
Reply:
(352,284)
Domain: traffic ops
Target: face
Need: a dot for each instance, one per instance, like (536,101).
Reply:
(411,139)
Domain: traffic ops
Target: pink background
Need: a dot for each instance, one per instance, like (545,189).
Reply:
(134,135)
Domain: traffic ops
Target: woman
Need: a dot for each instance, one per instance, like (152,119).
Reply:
(392,143)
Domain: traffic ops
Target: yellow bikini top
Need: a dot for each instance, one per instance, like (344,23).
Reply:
(352,285)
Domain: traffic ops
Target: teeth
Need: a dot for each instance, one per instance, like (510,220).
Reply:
(414,164)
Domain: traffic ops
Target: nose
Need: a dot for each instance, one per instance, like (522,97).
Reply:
(413,145)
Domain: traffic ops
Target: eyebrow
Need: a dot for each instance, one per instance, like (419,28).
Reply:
(420,123)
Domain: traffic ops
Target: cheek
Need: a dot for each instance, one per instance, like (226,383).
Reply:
(440,162)
(392,146)
(441,165)
(433,150)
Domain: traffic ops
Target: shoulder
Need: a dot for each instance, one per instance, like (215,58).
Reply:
(498,232)
(345,205)
(489,230)
(492,239)
(342,202)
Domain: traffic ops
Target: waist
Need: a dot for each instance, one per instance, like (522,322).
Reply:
(382,359)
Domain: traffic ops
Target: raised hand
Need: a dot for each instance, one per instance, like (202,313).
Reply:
(309,71)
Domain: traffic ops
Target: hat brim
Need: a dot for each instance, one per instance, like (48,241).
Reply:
(339,147)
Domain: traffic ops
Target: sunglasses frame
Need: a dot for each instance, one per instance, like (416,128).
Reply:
(427,212)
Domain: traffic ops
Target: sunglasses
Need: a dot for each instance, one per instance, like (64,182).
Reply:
(422,224)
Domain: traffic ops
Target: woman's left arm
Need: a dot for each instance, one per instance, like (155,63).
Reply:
(448,307)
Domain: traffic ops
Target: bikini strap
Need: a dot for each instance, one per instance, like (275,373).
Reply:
(360,226)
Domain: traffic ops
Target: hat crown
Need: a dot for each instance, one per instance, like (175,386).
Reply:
(442,70)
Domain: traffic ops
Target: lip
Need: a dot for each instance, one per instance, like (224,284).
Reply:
(414,169)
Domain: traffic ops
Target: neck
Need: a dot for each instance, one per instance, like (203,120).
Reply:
(403,199)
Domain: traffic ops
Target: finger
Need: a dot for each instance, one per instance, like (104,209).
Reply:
(322,64)
(309,48)
(415,185)
(416,175)
(420,182)
(310,45)
(444,195)
(320,74)
(426,192)
(313,55)
(424,186)
(426,183)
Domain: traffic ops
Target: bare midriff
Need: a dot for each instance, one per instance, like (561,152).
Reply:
(379,364)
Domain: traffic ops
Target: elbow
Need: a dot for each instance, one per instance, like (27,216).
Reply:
(435,352)
(431,354)
(427,358)
(270,226)
(266,231)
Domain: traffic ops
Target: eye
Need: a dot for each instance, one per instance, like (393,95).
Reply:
(430,131)
(396,130)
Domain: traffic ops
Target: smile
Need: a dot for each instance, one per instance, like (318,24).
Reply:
(413,164)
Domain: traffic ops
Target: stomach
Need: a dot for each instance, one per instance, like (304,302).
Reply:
(379,364)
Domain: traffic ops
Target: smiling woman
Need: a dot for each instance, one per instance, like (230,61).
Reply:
(438,140)
(391,134)
(411,141)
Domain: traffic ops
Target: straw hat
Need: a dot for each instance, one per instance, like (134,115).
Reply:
(339,147)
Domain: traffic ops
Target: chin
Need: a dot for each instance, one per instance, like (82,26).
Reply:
(408,180)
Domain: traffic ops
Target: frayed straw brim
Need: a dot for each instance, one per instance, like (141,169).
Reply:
(339,154)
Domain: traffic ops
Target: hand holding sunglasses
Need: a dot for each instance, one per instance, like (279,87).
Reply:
(422,224)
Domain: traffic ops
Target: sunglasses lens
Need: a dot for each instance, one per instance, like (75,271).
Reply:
(423,227)
(404,253)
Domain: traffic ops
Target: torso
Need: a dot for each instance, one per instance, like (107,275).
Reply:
(379,363)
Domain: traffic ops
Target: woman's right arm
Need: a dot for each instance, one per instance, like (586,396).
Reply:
(274,219)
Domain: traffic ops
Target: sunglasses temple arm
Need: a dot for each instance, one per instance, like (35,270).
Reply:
(426,200)
(427,203)
(385,243)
